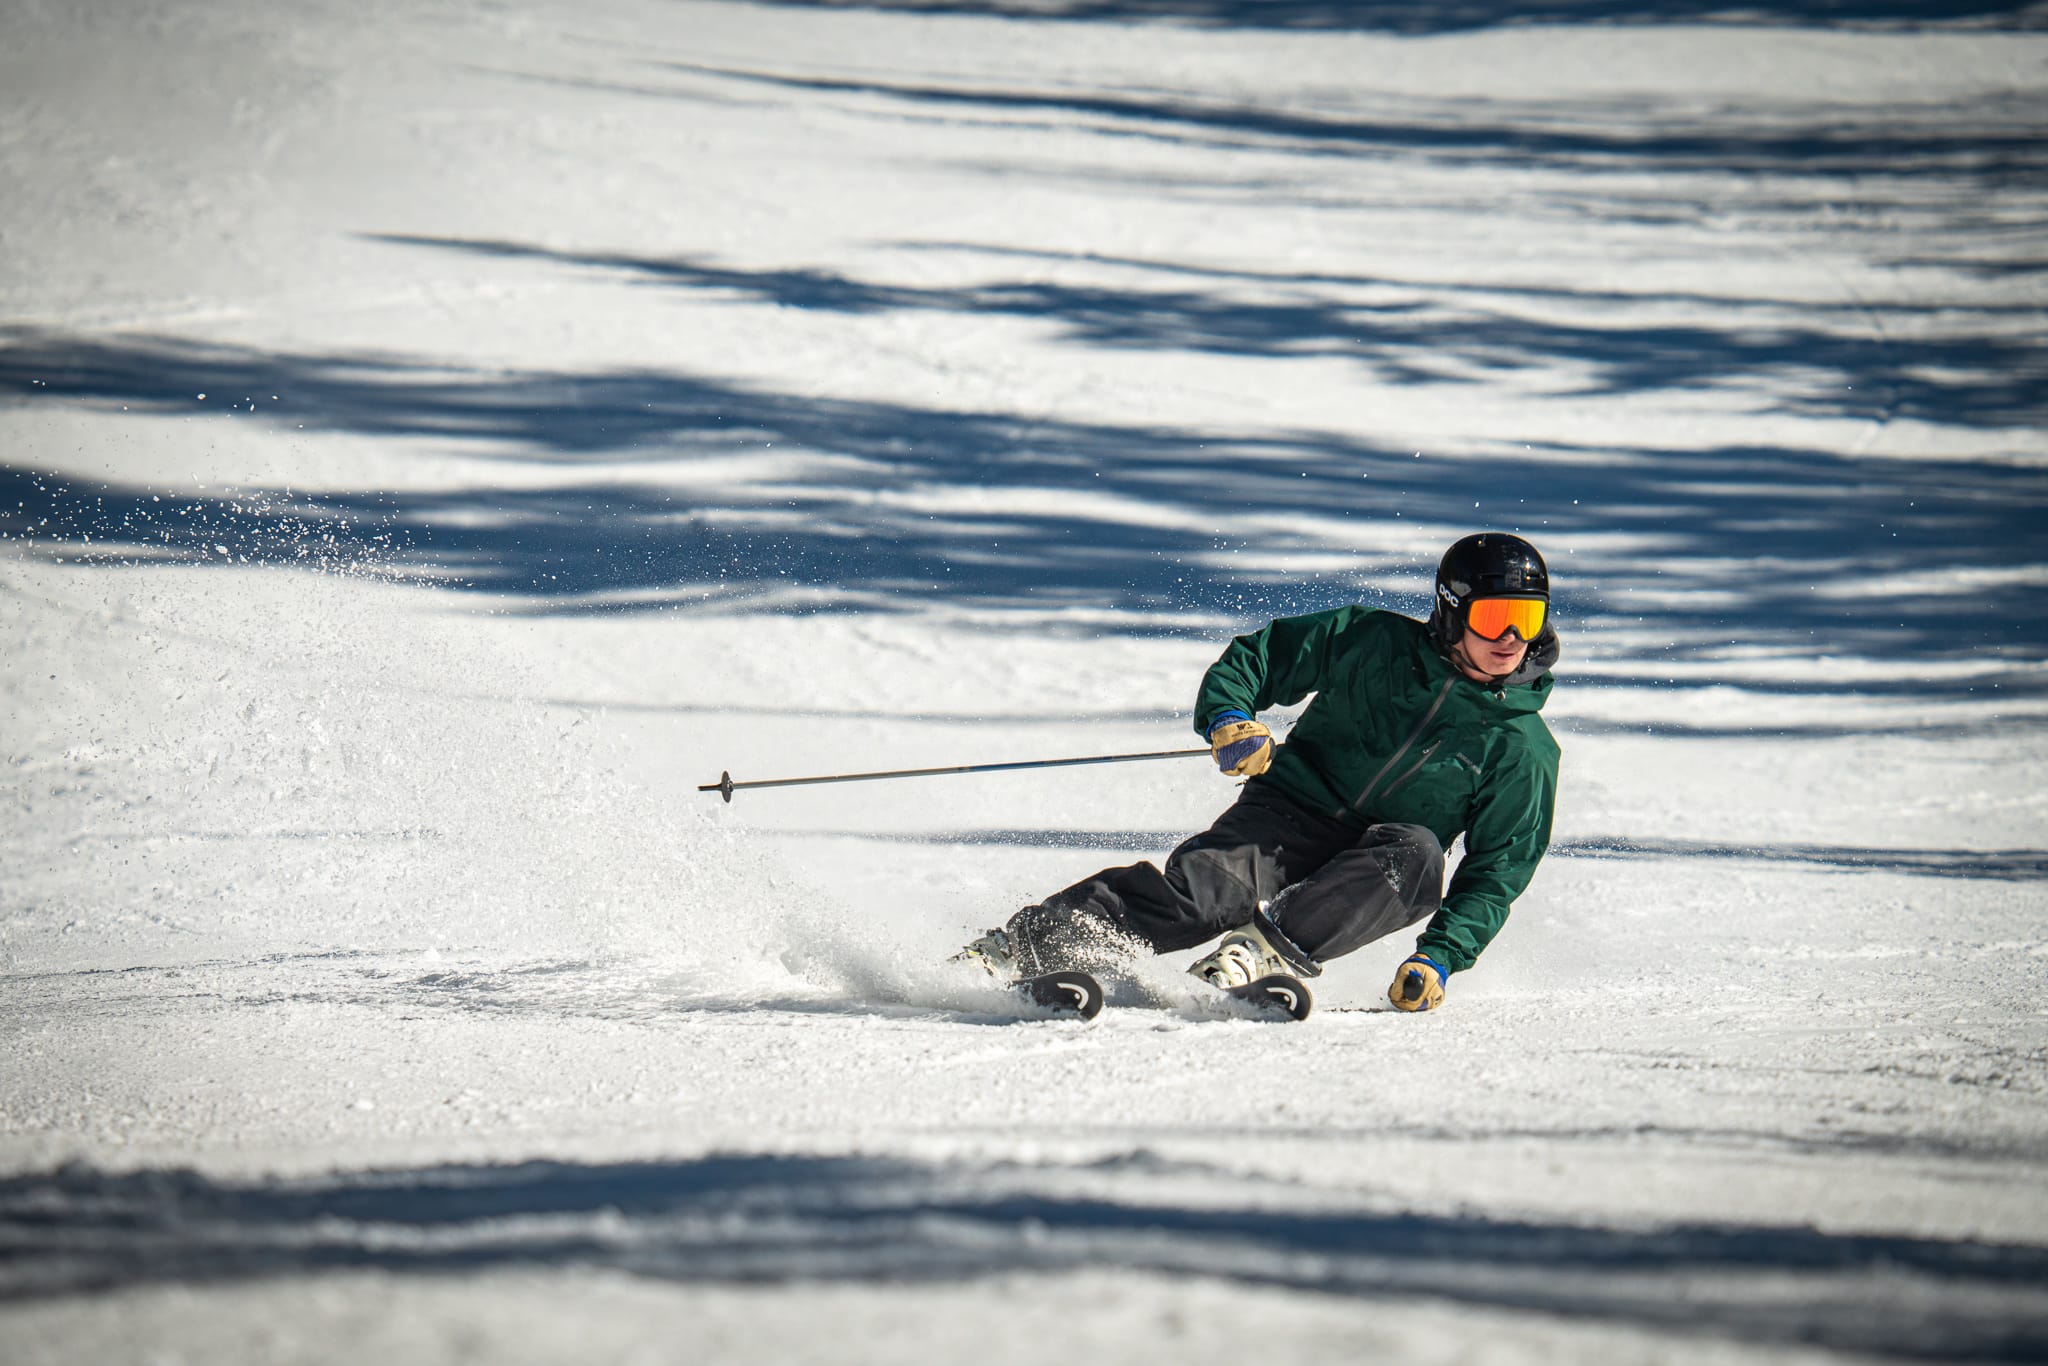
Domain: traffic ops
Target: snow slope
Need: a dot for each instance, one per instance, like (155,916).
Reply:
(438,437)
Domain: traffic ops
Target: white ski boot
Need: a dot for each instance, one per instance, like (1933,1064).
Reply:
(994,952)
(1242,958)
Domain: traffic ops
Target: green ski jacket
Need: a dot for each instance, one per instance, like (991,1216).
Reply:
(1397,733)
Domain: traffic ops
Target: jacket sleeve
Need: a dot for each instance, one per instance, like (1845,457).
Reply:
(1276,666)
(1509,833)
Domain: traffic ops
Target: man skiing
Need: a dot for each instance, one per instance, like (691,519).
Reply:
(1419,732)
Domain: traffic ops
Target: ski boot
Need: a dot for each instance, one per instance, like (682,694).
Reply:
(1242,958)
(994,954)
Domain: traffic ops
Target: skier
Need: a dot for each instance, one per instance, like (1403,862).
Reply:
(1419,732)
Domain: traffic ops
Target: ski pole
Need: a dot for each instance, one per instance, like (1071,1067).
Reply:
(725,786)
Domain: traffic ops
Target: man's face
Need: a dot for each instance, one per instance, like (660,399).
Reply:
(1486,660)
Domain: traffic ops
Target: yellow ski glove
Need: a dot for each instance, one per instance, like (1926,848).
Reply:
(1419,984)
(1242,747)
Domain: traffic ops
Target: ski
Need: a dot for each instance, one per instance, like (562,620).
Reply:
(1080,995)
(1278,994)
(1065,993)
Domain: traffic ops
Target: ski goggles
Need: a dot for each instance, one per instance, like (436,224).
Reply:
(1492,618)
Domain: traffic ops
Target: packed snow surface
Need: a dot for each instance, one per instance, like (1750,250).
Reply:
(438,438)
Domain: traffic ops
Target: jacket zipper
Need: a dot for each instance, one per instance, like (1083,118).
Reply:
(1420,726)
(1413,769)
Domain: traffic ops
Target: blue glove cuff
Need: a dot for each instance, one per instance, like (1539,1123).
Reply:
(1221,717)
(1441,971)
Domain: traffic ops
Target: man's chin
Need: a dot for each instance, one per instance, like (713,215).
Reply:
(1482,666)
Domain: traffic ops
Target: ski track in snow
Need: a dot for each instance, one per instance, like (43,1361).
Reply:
(434,441)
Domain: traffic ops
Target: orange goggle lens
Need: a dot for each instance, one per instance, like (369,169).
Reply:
(1491,618)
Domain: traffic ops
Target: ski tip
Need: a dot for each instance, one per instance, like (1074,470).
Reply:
(1279,993)
(1069,993)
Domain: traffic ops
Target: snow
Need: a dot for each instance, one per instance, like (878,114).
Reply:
(438,438)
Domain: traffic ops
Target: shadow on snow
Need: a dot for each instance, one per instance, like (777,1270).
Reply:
(770,1219)
(1454,16)
(1991,142)
(1988,379)
(717,494)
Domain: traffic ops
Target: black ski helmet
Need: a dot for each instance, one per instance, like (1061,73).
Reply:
(1491,564)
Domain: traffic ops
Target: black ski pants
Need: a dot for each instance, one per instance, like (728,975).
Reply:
(1333,888)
